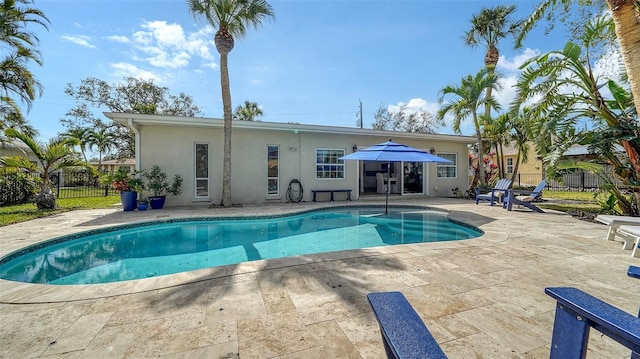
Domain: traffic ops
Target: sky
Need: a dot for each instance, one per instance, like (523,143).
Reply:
(313,64)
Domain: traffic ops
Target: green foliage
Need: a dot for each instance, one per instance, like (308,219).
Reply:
(17,187)
(122,180)
(158,182)
(609,204)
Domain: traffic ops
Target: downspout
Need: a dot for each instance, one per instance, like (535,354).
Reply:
(137,142)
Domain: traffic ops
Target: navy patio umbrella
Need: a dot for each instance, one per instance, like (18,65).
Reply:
(393,152)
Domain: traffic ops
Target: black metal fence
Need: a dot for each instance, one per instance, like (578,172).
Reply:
(576,181)
(64,185)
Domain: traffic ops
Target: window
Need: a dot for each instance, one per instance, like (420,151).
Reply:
(509,165)
(272,170)
(448,170)
(201,168)
(328,166)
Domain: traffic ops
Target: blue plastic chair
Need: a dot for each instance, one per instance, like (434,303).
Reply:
(526,198)
(494,194)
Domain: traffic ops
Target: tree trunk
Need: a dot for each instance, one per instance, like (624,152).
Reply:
(480,151)
(226,105)
(625,17)
(516,168)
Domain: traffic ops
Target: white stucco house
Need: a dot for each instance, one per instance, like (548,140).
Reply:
(267,156)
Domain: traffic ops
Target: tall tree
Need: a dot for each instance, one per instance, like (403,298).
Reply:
(57,154)
(133,95)
(249,111)
(103,140)
(82,137)
(468,98)
(15,77)
(558,111)
(487,29)
(231,18)
(626,17)
(420,121)
(497,133)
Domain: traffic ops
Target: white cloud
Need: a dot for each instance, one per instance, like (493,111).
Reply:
(121,39)
(513,65)
(124,69)
(164,45)
(415,105)
(81,40)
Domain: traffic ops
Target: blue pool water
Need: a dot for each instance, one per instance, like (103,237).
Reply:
(159,248)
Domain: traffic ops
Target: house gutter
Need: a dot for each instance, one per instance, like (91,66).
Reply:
(137,142)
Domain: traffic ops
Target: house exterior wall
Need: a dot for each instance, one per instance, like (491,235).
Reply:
(173,149)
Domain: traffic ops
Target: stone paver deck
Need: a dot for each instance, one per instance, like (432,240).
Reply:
(481,298)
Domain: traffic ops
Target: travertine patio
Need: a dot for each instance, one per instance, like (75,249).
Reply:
(481,298)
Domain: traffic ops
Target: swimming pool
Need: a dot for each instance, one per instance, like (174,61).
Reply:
(159,248)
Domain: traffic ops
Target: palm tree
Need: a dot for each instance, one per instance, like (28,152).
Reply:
(103,141)
(231,18)
(247,111)
(470,95)
(15,78)
(557,113)
(55,155)
(488,28)
(497,133)
(82,136)
(625,15)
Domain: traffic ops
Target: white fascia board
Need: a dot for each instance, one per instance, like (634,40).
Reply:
(160,120)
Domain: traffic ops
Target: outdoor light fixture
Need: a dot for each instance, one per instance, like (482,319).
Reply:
(432,151)
(355,147)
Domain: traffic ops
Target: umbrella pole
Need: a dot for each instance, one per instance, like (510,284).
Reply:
(386,202)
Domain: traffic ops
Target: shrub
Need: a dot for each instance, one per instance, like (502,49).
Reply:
(16,188)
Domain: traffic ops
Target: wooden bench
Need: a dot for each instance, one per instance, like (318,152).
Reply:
(403,332)
(332,191)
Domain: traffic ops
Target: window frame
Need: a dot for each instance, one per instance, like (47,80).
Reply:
(338,167)
(509,166)
(195,172)
(446,166)
(277,178)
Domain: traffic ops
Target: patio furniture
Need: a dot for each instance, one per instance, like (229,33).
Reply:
(404,334)
(525,198)
(494,194)
(577,312)
(614,222)
(631,236)
(331,191)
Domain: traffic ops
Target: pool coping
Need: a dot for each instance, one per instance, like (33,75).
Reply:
(28,293)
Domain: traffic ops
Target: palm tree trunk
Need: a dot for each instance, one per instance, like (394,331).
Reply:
(226,105)
(516,168)
(626,17)
(480,151)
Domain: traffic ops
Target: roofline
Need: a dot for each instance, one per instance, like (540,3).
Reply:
(162,120)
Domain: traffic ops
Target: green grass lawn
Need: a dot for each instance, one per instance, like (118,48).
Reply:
(567,201)
(27,211)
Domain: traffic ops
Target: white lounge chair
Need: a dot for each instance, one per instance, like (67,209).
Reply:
(614,222)
(631,236)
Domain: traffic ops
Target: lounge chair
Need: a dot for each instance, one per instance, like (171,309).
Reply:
(495,194)
(631,236)
(614,222)
(526,198)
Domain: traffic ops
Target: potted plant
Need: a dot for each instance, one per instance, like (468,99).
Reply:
(127,184)
(143,204)
(158,184)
